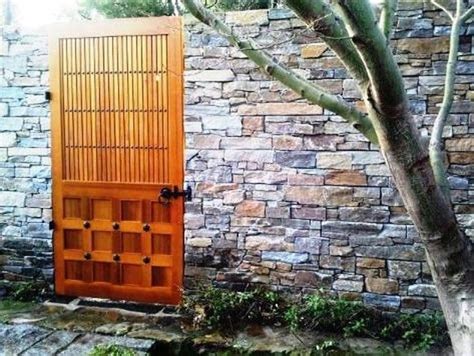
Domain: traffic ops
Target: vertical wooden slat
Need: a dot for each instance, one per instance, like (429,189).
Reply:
(154,116)
(159,113)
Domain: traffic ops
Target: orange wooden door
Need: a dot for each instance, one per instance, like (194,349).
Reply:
(117,140)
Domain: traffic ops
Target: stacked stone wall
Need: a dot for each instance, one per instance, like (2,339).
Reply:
(286,194)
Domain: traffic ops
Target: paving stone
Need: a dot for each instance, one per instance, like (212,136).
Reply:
(85,343)
(10,336)
(55,342)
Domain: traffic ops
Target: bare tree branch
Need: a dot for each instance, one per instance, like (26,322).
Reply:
(322,19)
(386,91)
(387,17)
(310,91)
(438,5)
(437,153)
(467,15)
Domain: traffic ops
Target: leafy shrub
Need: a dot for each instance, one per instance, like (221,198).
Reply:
(331,315)
(228,310)
(224,309)
(28,291)
(240,5)
(418,331)
(111,350)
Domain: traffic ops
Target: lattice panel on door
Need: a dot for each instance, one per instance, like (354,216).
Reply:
(114,104)
(136,252)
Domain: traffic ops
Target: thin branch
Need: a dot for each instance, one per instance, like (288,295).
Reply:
(387,17)
(440,6)
(310,91)
(322,19)
(467,15)
(386,92)
(436,143)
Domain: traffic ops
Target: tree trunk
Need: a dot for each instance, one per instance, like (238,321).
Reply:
(449,252)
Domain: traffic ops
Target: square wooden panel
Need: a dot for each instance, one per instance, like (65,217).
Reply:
(73,270)
(132,274)
(131,242)
(101,209)
(161,277)
(160,244)
(131,210)
(72,208)
(101,241)
(160,212)
(102,272)
(72,239)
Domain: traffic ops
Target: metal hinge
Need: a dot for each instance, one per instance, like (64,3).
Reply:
(52,225)
(47,95)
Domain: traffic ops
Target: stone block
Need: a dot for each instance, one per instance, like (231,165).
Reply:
(7,139)
(296,159)
(397,252)
(11,93)
(287,143)
(426,46)
(308,244)
(324,196)
(305,179)
(373,214)
(211,75)
(335,250)
(425,290)
(404,270)
(348,285)
(465,144)
(3,109)
(312,279)
(259,156)
(221,123)
(343,229)
(269,109)
(334,160)
(243,18)
(287,257)
(233,196)
(385,302)
(250,208)
(246,143)
(264,177)
(373,263)
(308,213)
(12,199)
(346,177)
(381,285)
(323,142)
(313,50)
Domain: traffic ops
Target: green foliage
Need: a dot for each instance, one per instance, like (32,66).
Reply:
(9,308)
(28,291)
(418,331)
(331,315)
(146,8)
(228,310)
(126,8)
(111,350)
(240,5)
(325,346)
(223,309)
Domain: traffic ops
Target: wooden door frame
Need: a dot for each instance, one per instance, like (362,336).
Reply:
(171,26)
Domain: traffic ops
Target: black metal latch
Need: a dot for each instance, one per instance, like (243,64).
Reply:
(47,95)
(166,194)
(52,225)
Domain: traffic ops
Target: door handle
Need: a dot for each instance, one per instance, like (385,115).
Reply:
(166,193)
